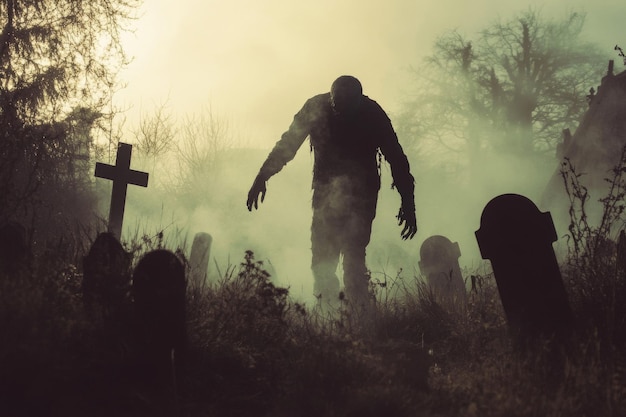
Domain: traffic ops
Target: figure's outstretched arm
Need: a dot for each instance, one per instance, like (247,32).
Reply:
(257,190)
(283,152)
(407,217)
(403,180)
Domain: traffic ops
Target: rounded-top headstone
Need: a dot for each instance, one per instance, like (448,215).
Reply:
(438,249)
(106,273)
(439,262)
(107,259)
(517,238)
(511,222)
(159,290)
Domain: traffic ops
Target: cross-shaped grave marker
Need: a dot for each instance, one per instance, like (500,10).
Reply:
(121,175)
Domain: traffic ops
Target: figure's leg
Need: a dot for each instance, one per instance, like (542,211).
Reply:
(325,250)
(355,276)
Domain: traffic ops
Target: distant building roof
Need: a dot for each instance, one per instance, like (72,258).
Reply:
(596,146)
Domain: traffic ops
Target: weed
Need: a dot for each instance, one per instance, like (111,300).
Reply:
(254,351)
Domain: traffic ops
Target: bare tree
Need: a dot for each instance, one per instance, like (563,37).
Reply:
(204,139)
(514,88)
(155,135)
(56,57)
(542,73)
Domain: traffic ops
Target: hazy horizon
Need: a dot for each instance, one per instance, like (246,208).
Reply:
(255,63)
(258,61)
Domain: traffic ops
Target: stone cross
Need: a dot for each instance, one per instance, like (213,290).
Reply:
(517,238)
(121,175)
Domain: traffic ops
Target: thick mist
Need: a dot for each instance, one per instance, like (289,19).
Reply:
(259,61)
(257,64)
(212,200)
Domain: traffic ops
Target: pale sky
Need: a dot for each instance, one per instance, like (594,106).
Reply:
(256,62)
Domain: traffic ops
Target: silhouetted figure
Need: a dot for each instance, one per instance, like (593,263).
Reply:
(348,133)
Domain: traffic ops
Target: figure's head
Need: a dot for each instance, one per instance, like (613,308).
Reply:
(346,95)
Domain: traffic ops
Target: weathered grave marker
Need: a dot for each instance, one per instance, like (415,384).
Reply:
(106,275)
(121,175)
(13,248)
(517,238)
(439,262)
(159,289)
(199,258)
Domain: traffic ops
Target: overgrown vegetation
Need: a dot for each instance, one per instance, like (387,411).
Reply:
(253,351)
(59,62)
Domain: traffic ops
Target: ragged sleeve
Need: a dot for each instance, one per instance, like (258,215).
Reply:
(391,149)
(290,141)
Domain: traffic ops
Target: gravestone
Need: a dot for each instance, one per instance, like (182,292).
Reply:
(517,238)
(13,248)
(121,175)
(439,262)
(106,276)
(159,295)
(199,258)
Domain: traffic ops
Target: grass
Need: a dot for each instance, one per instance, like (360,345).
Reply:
(254,351)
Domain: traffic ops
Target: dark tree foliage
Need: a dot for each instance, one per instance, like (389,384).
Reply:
(58,63)
(514,88)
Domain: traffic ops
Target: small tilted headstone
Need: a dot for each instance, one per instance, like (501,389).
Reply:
(199,259)
(106,276)
(517,238)
(13,248)
(439,263)
(159,295)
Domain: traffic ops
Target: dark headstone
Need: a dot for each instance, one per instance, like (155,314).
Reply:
(199,258)
(159,289)
(517,238)
(159,294)
(106,276)
(13,248)
(121,175)
(439,262)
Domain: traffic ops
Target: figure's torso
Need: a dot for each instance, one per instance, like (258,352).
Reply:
(345,147)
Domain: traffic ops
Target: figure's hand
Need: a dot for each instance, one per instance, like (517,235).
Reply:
(258,187)
(410,223)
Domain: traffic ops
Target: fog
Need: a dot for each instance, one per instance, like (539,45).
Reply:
(255,63)
(258,61)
